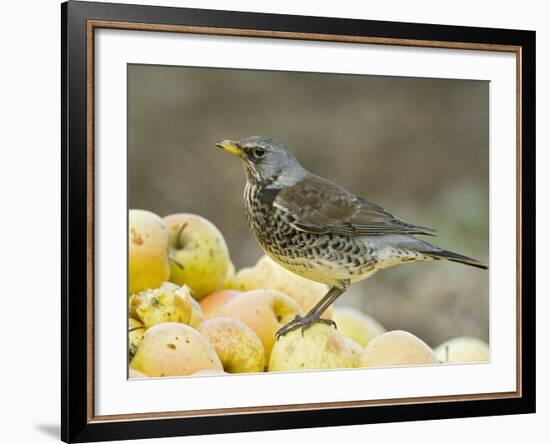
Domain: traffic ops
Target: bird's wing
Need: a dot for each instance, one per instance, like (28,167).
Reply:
(317,205)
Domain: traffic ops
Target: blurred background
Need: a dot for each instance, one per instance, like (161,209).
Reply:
(417,147)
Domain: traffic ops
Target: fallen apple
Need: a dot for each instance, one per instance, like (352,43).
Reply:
(397,348)
(148,264)
(463,349)
(319,347)
(264,311)
(136,330)
(209,373)
(268,274)
(212,303)
(355,349)
(174,349)
(168,303)
(197,316)
(238,347)
(134,374)
(356,325)
(199,256)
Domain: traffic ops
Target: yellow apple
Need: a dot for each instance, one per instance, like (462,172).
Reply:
(238,347)
(209,373)
(229,281)
(197,316)
(134,374)
(397,348)
(174,349)
(199,256)
(463,349)
(354,324)
(264,311)
(169,303)
(319,347)
(136,330)
(355,349)
(148,264)
(212,303)
(268,274)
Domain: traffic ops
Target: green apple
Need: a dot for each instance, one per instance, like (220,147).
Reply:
(199,256)
(319,347)
(356,325)
(238,347)
(148,264)
(463,349)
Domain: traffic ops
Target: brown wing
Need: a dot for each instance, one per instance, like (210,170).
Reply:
(319,206)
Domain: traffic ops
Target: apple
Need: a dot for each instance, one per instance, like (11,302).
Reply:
(174,349)
(268,274)
(238,347)
(229,280)
(355,349)
(148,264)
(463,349)
(134,374)
(199,256)
(209,373)
(319,347)
(264,311)
(136,330)
(197,316)
(354,324)
(212,303)
(169,303)
(397,348)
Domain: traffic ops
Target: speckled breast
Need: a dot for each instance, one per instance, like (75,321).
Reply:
(326,258)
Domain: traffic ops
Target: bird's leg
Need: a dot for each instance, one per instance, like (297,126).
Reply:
(314,315)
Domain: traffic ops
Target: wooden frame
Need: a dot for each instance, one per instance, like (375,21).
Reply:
(79,21)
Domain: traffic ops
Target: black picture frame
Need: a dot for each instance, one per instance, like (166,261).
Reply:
(77,237)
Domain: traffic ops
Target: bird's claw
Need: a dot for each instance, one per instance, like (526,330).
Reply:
(303,323)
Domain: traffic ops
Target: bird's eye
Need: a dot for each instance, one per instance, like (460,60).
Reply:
(258,153)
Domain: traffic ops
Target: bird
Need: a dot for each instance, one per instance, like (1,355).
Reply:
(321,231)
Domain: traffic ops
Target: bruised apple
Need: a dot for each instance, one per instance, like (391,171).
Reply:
(174,349)
(169,303)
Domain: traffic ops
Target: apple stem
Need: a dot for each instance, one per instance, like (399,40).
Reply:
(171,259)
(178,237)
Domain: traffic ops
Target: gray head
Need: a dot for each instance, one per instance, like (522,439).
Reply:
(265,160)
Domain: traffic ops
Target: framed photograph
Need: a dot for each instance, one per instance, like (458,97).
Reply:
(240,192)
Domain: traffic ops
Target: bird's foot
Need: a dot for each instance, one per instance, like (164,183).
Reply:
(303,323)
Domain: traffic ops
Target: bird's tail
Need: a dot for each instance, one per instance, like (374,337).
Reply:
(455,257)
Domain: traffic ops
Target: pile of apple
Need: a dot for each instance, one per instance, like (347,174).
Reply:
(190,313)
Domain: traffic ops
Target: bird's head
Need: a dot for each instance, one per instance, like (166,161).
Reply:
(265,160)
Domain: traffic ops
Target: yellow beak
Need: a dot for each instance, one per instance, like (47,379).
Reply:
(230,146)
